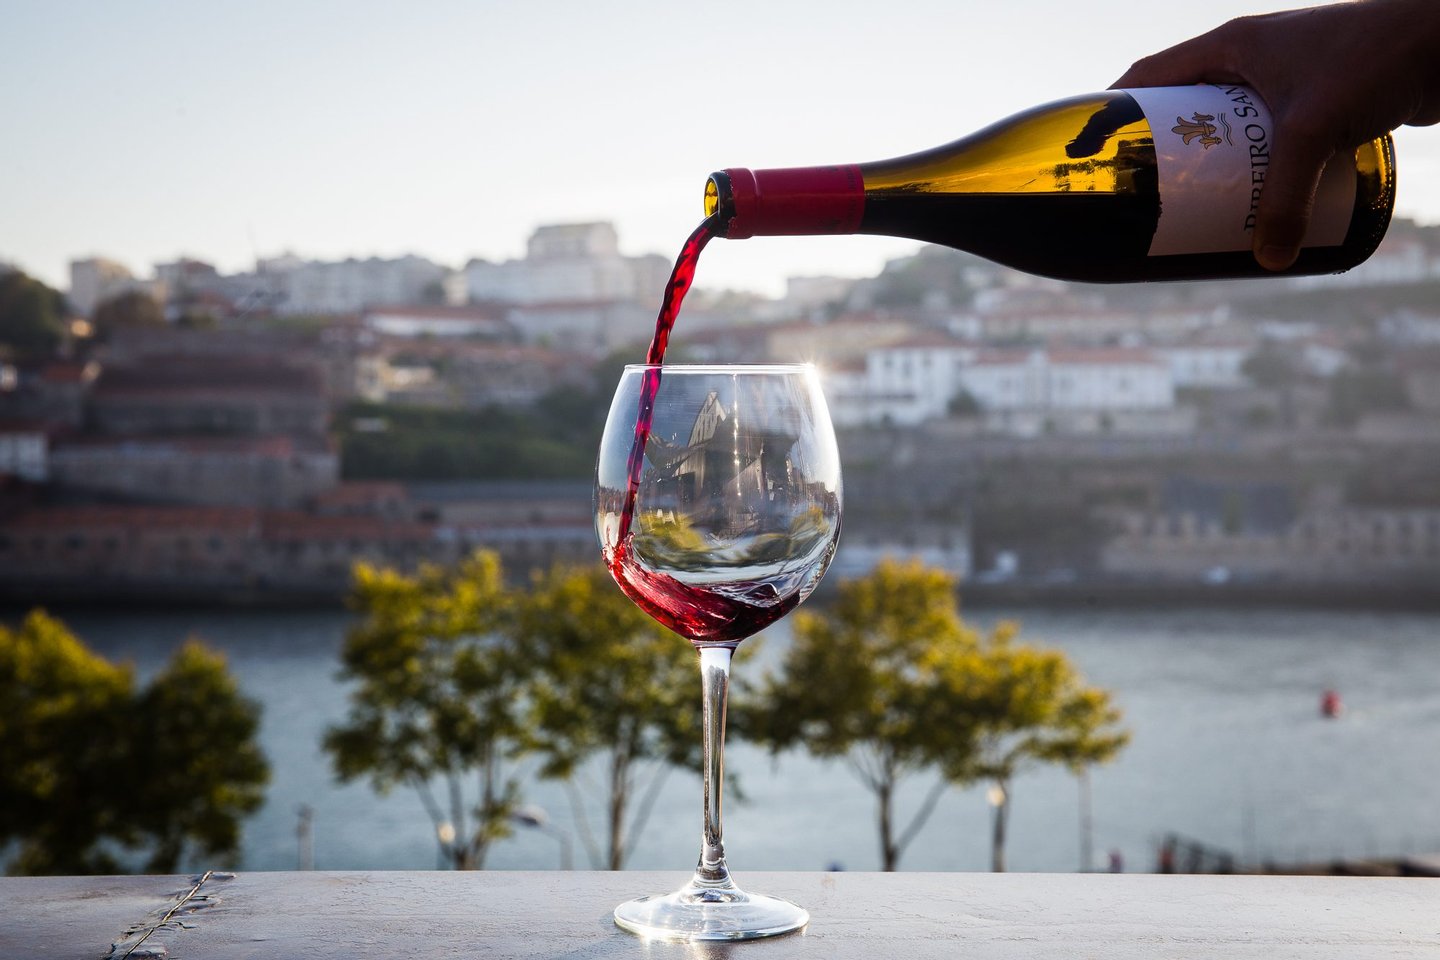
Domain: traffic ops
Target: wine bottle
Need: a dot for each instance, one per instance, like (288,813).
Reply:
(1146,184)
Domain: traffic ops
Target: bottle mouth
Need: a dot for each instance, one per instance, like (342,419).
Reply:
(712,195)
(720,200)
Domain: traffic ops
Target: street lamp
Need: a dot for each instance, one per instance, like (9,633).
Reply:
(996,797)
(445,836)
(536,818)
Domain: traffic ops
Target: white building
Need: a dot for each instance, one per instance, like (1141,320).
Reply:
(350,286)
(597,326)
(445,322)
(914,380)
(847,394)
(1207,365)
(94,280)
(570,262)
(803,294)
(1117,378)
(1017,391)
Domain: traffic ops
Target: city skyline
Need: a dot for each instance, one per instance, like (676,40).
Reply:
(451,131)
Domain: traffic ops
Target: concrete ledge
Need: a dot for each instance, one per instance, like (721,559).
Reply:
(860,915)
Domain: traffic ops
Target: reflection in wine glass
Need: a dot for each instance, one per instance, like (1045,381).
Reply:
(718,509)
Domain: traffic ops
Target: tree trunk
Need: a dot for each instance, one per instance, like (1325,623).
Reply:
(889,856)
(619,773)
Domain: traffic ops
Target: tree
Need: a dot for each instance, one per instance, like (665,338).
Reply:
(202,767)
(1357,392)
(1271,367)
(59,704)
(1026,706)
(858,683)
(32,317)
(133,308)
(91,771)
(610,684)
(964,405)
(438,681)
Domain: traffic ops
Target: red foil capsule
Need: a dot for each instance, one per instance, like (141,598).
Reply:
(795,201)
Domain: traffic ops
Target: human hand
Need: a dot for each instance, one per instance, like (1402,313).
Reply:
(1334,77)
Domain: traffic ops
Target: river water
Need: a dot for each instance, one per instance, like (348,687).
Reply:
(1229,749)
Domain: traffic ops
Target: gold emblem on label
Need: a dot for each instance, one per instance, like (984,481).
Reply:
(1201,127)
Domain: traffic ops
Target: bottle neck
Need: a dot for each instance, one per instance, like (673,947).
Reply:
(793,201)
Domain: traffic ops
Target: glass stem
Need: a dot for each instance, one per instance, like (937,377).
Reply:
(711,871)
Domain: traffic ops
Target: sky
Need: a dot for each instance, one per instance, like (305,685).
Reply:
(149,130)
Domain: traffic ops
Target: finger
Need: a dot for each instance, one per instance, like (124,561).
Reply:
(1160,70)
(1194,61)
(1287,200)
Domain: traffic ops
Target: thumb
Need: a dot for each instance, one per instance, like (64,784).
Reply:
(1286,200)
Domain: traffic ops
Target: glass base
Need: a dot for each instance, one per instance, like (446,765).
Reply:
(700,912)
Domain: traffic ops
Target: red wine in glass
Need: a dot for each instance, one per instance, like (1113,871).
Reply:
(699,614)
(718,508)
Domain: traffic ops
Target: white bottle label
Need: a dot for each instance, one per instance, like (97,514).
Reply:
(1212,150)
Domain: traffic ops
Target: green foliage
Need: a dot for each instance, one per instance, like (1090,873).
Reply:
(1026,706)
(457,676)
(203,767)
(1354,393)
(858,683)
(554,439)
(964,405)
(1270,367)
(59,704)
(438,681)
(196,318)
(491,443)
(134,308)
(933,272)
(611,684)
(583,411)
(32,317)
(891,679)
(89,767)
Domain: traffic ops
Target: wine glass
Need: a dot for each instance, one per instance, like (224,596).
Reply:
(718,507)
